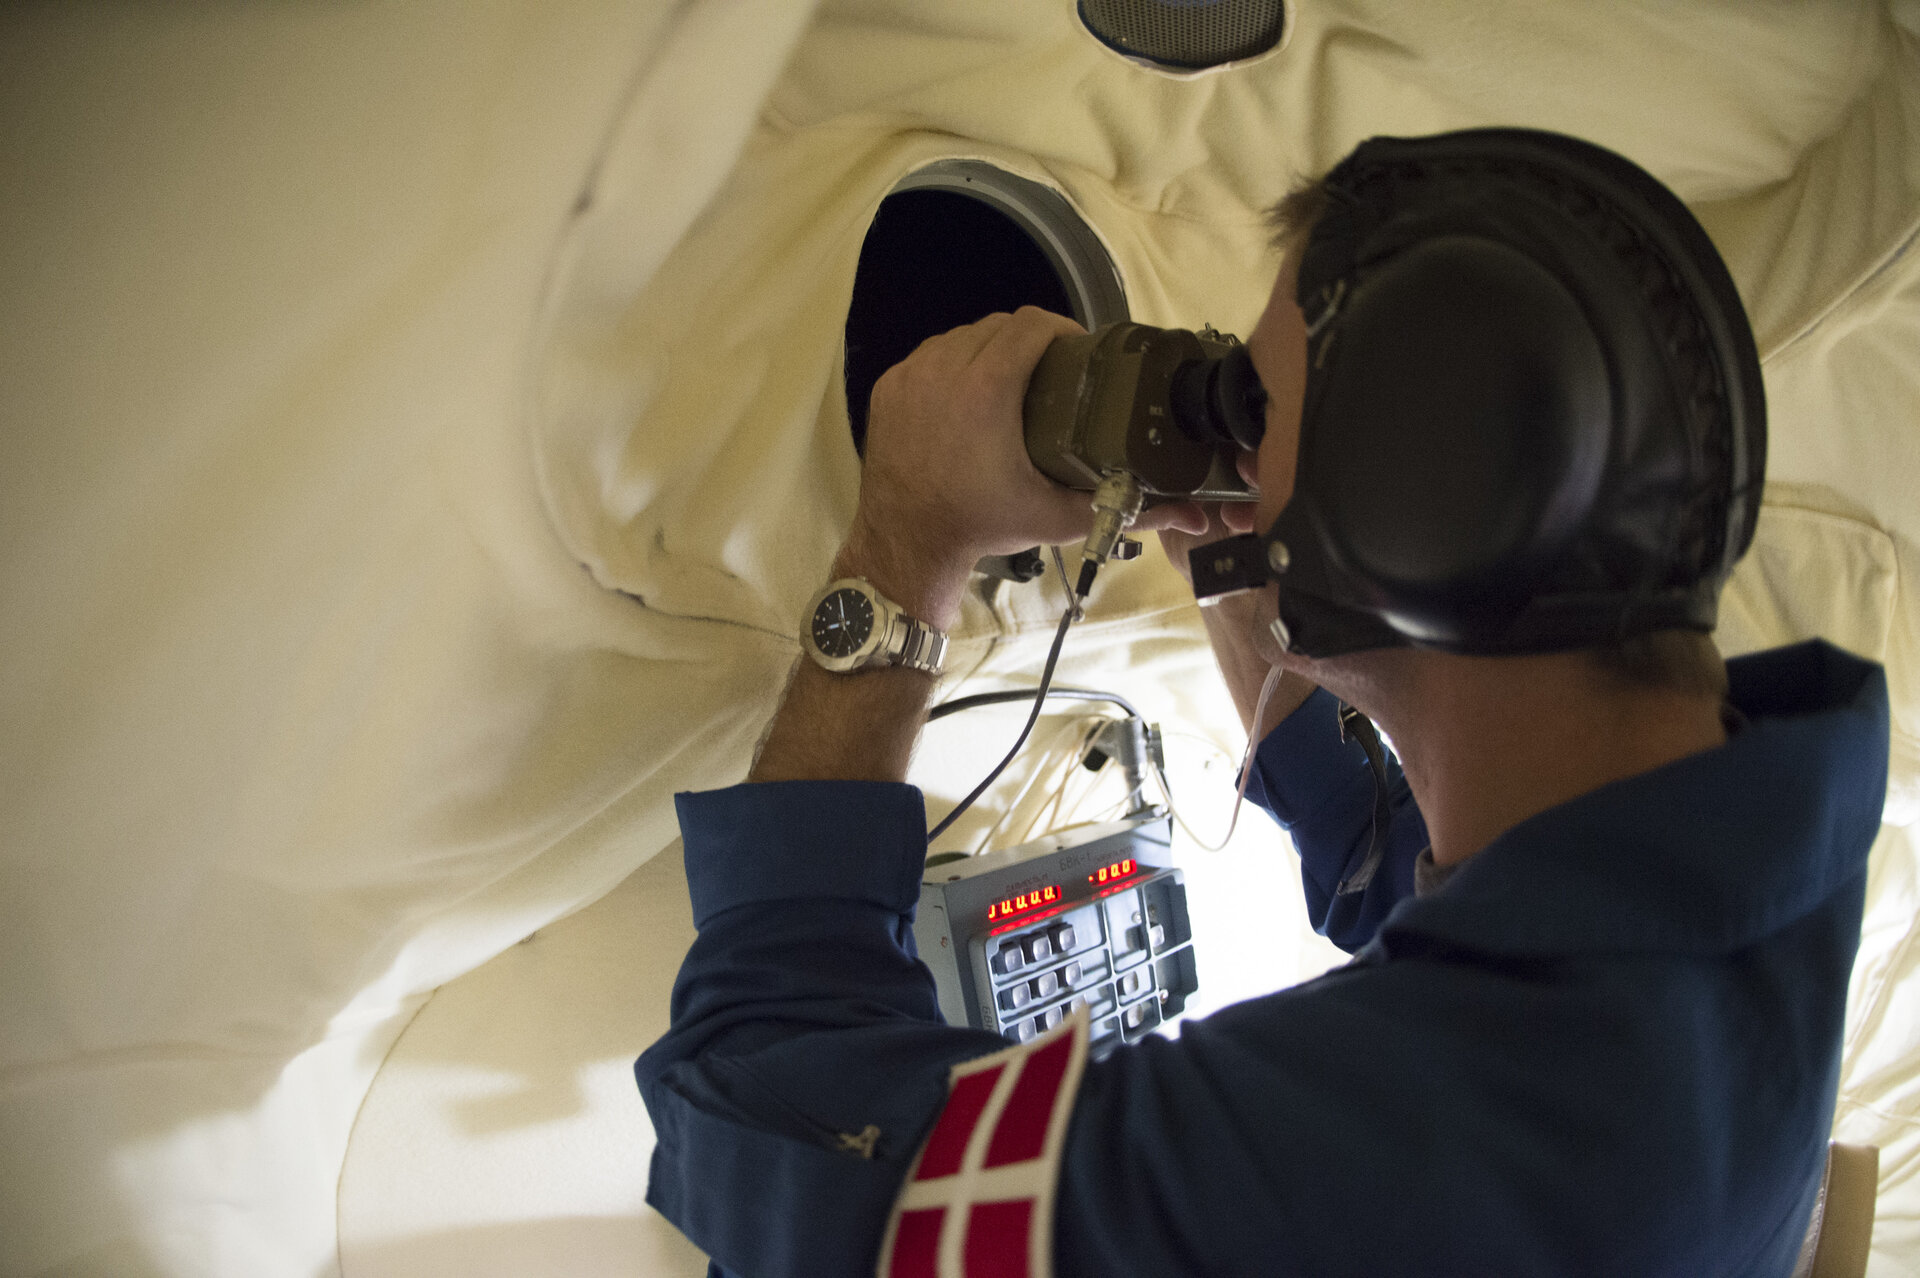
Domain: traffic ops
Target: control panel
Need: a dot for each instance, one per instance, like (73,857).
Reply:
(1095,916)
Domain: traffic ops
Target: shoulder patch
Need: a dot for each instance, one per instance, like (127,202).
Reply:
(978,1201)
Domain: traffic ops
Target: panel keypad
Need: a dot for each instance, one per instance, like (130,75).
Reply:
(1108,953)
(1017,939)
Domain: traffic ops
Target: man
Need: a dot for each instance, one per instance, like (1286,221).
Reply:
(1604,919)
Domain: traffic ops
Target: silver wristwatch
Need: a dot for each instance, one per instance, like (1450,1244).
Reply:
(851,626)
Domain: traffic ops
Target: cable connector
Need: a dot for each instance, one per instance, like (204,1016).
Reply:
(1116,504)
(1135,745)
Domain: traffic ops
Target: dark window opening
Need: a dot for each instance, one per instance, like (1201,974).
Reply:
(932,261)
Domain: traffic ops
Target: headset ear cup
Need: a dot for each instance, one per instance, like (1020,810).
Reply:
(1445,482)
(1647,461)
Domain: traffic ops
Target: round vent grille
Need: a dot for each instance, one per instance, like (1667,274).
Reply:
(1186,35)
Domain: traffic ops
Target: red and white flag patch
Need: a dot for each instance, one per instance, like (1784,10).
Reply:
(978,1202)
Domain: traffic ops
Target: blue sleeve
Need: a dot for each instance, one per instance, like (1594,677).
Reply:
(806,1058)
(1319,787)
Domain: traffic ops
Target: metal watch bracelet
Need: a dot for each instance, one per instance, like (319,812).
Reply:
(916,645)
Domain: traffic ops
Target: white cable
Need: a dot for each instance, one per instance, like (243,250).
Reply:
(1111,812)
(1204,742)
(1058,800)
(1041,768)
(1069,773)
(1246,770)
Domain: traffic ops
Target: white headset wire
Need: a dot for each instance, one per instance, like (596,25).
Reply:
(1246,771)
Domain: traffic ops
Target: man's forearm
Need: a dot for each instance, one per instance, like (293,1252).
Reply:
(863,726)
(851,727)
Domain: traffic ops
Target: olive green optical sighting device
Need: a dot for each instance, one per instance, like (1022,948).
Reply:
(1168,406)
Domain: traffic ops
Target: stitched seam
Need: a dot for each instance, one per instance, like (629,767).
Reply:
(1867,278)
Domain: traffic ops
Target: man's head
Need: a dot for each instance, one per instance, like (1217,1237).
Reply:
(1515,406)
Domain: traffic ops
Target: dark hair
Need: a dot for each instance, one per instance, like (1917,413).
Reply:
(1296,212)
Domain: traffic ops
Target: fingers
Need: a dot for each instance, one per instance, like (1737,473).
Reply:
(1016,343)
(1197,519)
(1183,516)
(944,439)
(1005,342)
(962,346)
(1238,516)
(997,352)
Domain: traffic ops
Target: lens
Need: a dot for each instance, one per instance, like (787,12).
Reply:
(1220,402)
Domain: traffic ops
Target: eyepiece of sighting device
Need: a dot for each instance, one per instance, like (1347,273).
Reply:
(1220,402)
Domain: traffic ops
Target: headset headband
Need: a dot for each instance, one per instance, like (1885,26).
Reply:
(1534,419)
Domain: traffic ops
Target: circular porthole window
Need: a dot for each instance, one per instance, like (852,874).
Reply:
(959,240)
(1186,35)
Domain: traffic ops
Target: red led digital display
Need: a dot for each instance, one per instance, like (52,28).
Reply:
(1034,900)
(1108,873)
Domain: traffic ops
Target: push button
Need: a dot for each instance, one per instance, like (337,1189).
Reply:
(1009,960)
(1070,975)
(1050,1018)
(1015,997)
(1132,983)
(1062,936)
(1038,949)
(1044,984)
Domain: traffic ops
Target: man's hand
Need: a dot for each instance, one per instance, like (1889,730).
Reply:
(1238,624)
(1222,519)
(947,479)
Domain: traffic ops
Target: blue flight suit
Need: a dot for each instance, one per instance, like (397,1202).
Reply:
(1610,1043)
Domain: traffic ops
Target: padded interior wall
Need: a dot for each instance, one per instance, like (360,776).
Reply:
(296,683)
(422,436)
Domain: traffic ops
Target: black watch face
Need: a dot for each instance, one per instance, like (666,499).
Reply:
(842,622)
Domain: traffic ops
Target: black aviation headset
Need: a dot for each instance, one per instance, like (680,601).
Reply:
(1534,418)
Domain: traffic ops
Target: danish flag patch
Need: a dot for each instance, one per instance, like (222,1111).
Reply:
(978,1202)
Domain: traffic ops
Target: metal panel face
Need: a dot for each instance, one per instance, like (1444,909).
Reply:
(1016,940)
